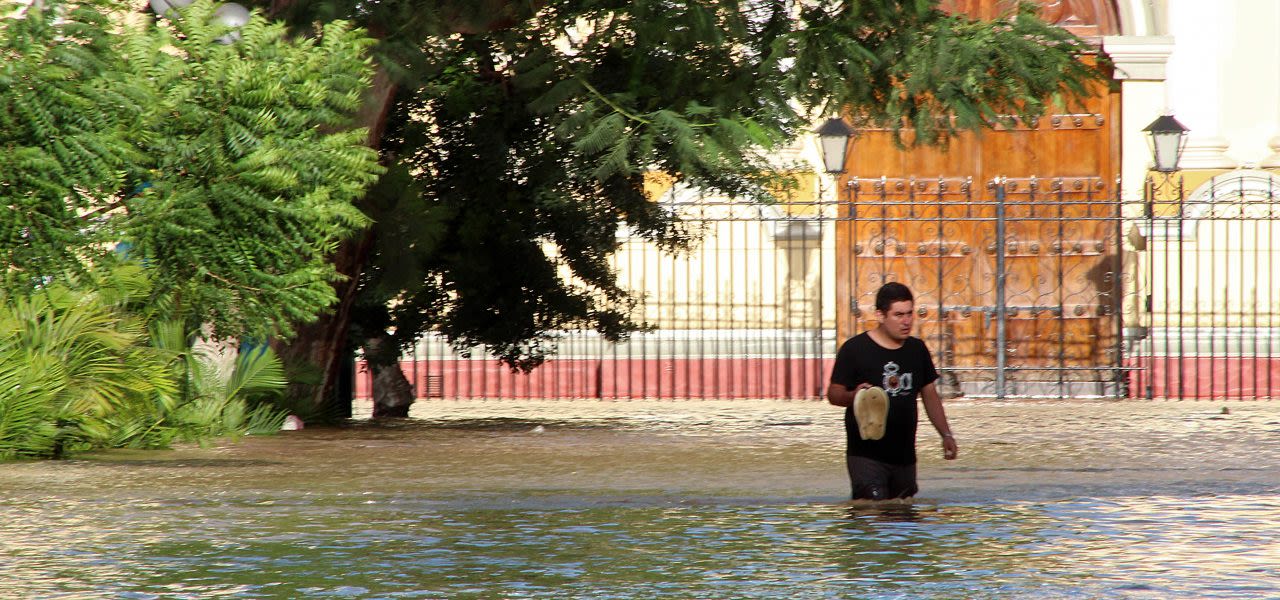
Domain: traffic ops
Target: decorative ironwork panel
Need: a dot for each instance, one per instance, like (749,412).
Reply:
(1017,281)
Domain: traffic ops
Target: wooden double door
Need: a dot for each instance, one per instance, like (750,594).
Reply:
(1011,240)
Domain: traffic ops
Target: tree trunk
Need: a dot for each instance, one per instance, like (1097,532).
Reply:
(322,346)
(392,392)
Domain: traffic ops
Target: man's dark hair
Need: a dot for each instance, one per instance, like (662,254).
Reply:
(892,292)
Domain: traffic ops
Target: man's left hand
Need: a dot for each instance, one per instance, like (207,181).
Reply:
(949,448)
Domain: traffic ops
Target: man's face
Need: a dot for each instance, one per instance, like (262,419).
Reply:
(897,321)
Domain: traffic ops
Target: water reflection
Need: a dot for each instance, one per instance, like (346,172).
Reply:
(886,510)
(653,500)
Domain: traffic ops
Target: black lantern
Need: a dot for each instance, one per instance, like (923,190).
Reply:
(833,140)
(1167,139)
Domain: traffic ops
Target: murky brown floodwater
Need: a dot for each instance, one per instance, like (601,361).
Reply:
(665,499)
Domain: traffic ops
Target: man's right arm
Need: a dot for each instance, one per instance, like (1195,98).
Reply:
(840,395)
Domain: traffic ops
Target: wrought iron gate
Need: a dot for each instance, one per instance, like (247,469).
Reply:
(744,314)
(1017,281)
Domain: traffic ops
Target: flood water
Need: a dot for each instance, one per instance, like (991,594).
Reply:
(504,499)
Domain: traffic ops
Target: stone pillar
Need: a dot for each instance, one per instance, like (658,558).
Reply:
(1140,67)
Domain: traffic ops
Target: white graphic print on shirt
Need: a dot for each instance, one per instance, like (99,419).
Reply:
(895,384)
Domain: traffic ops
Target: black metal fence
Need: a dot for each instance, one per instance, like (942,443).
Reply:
(744,314)
(1026,288)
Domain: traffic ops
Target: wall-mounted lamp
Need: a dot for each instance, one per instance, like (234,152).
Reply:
(833,141)
(1167,138)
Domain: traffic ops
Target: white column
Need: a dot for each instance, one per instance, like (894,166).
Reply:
(1142,17)
(1265,67)
(1252,79)
(1196,83)
(1140,65)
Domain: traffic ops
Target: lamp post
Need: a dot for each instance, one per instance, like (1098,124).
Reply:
(833,145)
(1166,138)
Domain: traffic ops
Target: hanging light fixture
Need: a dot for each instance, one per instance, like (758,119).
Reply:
(230,14)
(164,7)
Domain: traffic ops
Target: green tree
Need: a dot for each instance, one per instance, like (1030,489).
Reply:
(228,169)
(64,115)
(253,169)
(516,123)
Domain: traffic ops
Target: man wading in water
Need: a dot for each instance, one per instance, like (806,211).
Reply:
(886,369)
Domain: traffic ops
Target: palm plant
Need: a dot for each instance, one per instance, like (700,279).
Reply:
(69,359)
(225,392)
(25,398)
(83,370)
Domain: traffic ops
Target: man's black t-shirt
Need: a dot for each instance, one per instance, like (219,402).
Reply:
(902,373)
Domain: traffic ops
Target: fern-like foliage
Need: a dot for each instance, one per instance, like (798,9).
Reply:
(63,116)
(87,366)
(925,74)
(228,169)
(252,174)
